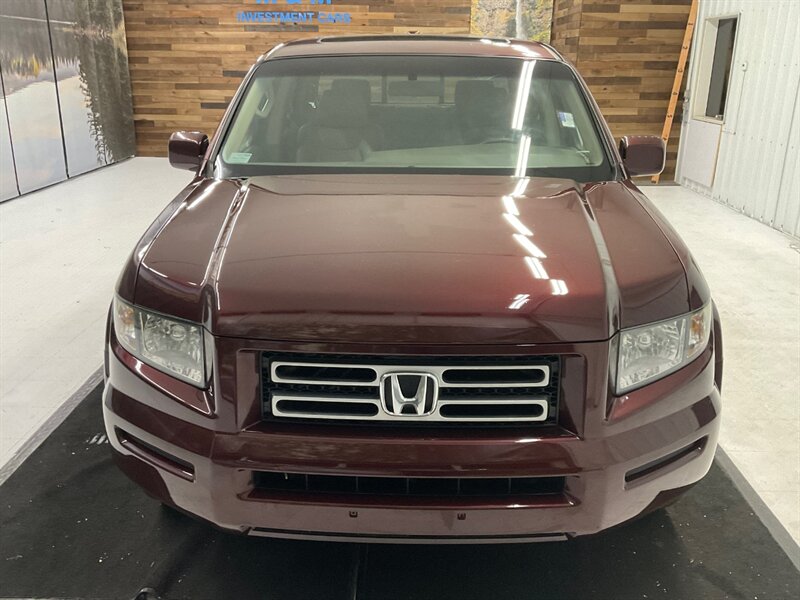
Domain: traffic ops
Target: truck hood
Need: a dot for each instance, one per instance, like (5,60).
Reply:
(411,259)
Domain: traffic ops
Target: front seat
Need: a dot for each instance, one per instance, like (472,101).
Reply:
(341,130)
(482,111)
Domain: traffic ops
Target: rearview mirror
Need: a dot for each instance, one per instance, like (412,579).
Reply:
(187,149)
(643,154)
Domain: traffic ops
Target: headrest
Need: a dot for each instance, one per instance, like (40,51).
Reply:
(480,97)
(359,86)
(342,107)
(468,91)
(416,88)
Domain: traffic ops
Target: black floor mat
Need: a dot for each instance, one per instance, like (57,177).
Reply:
(72,526)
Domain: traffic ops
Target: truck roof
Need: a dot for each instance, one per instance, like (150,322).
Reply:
(414,44)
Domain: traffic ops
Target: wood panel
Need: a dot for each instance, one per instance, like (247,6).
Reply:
(187,57)
(565,30)
(627,50)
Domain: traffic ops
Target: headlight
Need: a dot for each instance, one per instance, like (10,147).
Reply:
(173,346)
(653,351)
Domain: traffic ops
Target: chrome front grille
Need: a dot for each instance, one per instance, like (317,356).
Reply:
(409,390)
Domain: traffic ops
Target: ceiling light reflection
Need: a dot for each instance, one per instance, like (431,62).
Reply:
(197,200)
(529,246)
(525,50)
(519,301)
(510,205)
(523,91)
(522,157)
(536,267)
(559,287)
(522,185)
(517,224)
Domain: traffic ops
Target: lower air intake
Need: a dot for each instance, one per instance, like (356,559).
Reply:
(489,487)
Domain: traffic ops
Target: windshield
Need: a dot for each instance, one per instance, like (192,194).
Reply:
(420,114)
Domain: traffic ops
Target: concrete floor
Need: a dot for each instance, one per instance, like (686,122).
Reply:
(754,275)
(61,250)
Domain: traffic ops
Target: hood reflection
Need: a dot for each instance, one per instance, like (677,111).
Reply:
(522,235)
(519,301)
(537,268)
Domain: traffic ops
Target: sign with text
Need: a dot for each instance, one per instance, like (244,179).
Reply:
(300,12)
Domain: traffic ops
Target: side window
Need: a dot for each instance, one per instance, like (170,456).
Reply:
(716,59)
(265,100)
(247,132)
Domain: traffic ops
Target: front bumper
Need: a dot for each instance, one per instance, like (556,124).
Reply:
(200,457)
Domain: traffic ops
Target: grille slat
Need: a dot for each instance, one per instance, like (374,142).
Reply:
(332,408)
(469,390)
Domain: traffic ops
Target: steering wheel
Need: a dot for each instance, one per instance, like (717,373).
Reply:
(499,140)
(536,134)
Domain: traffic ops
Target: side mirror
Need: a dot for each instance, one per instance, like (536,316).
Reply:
(187,149)
(643,154)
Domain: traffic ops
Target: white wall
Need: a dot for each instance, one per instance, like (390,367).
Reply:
(757,165)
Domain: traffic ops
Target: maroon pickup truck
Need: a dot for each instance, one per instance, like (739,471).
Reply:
(412,295)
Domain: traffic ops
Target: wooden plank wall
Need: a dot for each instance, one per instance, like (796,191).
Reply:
(627,50)
(188,56)
(565,31)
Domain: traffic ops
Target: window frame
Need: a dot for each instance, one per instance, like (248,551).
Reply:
(704,73)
